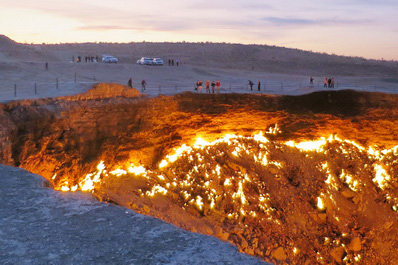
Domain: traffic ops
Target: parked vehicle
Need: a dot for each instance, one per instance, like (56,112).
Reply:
(157,61)
(145,61)
(109,59)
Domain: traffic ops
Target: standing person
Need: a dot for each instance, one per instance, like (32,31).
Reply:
(251,85)
(46,65)
(169,62)
(218,85)
(213,84)
(329,83)
(325,82)
(200,84)
(259,85)
(332,82)
(172,62)
(143,84)
(311,80)
(130,83)
(208,86)
(177,62)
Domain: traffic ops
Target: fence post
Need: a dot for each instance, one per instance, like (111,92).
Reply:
(15,90)
(57,82)
(35,88)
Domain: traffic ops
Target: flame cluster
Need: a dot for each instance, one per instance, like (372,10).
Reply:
(224,176)
(195,173)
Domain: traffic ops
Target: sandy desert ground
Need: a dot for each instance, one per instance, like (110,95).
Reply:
(280,71)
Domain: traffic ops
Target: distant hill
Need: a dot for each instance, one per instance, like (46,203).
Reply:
(7,43)
(239,56)
(264,58)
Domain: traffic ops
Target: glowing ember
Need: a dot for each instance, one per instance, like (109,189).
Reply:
(320,204)
(381,176)
(87,184)
(137,170)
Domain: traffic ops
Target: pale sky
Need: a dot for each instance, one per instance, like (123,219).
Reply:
(367,28)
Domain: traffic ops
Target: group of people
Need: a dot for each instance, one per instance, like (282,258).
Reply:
(215,86)
(251,84)
(171,62)
(328,82)
(143,84)
(87,59)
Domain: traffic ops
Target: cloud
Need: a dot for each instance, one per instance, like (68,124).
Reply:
(282,21)
(141,23)
(104,28)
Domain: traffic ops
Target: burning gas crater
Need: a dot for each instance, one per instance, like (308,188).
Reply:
(251,182)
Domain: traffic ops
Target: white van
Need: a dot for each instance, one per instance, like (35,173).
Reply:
(145,61)
(157,61)
(109,59)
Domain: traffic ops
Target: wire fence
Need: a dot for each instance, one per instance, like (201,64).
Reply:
(80,83)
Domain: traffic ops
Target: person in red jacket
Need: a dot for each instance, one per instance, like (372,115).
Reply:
(218,84)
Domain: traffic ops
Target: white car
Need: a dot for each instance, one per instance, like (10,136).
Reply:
(145,61)
(157,61)
(109,59)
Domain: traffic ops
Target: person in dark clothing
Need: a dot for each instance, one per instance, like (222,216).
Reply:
(172,62)
(329,83)
(169,62)
(311,80)
(130,83)
(143,84)
(259,85)
(213,85)
(251,84)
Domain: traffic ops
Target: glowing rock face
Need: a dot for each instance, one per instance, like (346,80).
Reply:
(242,146)
(230,176)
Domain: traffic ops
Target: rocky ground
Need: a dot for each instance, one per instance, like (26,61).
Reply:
(43,226)
(285,200)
